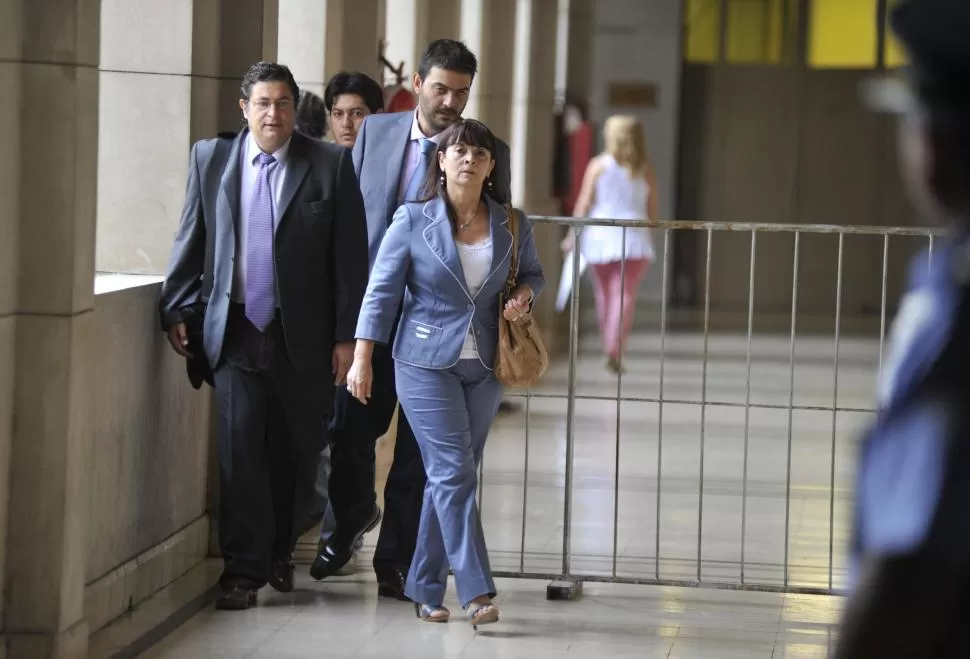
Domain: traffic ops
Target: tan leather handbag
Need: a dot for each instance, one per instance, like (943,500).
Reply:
(521,358)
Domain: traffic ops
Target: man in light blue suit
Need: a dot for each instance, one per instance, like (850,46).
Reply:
(391,157)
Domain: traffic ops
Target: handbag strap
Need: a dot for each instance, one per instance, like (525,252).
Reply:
(512,218)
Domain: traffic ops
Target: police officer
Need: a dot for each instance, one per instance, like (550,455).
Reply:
(911,546)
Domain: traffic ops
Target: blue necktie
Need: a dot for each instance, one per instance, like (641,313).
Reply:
(416,183)
(260,277)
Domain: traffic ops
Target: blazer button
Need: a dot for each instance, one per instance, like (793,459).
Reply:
(470,307)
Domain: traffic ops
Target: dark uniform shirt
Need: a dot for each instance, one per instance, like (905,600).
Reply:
(913,489)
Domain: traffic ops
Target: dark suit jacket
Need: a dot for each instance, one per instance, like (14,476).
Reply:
(320,246)
(378,159)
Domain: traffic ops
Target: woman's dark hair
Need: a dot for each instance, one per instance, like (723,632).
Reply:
(463,131)
(311,115)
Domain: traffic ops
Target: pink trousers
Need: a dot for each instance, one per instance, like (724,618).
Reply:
(608,283)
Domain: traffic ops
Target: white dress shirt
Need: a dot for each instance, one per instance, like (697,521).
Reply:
(249,170)
(412,154)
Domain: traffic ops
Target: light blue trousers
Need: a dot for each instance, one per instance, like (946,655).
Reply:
(450,412)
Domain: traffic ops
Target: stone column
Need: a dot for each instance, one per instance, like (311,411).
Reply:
(532,138)
(411,24)
(318,38)
(145,117)
(49,134)
(166,79)
(488,29)
(243,34)
(403,42)
(363,29)
(437,19)
(11,73)
(579,53)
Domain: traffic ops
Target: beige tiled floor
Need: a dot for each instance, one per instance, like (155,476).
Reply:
(702,511)
(730,516)
(344,618)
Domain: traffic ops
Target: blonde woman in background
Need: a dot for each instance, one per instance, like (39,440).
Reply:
(619,184)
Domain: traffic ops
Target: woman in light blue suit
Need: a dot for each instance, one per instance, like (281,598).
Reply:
(447,259)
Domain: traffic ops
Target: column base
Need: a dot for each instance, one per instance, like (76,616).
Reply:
(72,643)
(130,584)
(567,589)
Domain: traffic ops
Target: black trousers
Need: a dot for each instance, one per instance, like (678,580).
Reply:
(356,429)
(266,478)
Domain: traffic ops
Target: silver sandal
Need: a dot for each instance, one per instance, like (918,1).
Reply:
(431,613)
(482,614)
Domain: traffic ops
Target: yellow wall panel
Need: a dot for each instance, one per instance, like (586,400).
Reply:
(702,34)
(758,30)
(842,34)
(895,54)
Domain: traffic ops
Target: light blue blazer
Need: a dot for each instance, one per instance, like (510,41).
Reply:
(418,260)
(379,162)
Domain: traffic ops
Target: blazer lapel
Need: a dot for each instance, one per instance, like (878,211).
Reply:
(227,210)
(925,320)
(297,167)
(441,240)
(501,245)
(397,142)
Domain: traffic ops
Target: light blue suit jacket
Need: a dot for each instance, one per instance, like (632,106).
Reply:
(379,158)
(418,259)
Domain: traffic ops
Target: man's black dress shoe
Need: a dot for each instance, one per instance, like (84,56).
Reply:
(333,555)
(281,575)
(390,582)
(237,598)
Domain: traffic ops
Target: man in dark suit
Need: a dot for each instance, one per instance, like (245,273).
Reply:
(347,99)
(391,157)
(272,240)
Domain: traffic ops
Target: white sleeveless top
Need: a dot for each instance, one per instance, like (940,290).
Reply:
(618,195)
(476,262)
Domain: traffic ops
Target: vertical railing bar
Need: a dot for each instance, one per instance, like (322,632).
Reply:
(571,404)
(660,394)
(619,404)
(707,328)
(791,402)
(525,479)
(835,406)
(747,402)
(882,304)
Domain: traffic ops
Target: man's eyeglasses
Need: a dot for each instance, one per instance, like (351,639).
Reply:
(263,105)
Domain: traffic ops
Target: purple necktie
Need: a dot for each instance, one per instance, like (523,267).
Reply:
(420,174)
(260,279)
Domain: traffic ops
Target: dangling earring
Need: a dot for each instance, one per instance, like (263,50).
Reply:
(489,184)
(442,179)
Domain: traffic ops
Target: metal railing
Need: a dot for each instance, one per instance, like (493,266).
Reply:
(650,564)
(568,572)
